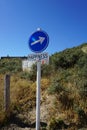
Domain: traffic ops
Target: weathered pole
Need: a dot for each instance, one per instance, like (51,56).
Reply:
(6,92)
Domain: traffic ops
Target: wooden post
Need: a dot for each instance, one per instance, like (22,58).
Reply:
(6,92)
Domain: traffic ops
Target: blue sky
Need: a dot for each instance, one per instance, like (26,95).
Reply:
(65,21)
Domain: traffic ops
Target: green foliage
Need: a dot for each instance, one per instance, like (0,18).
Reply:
(66,59)
(24,75)
(46,70)
(82,60)
(82,65)
(56,124)
(82,117)
(43,128)
(31,75)
(55,86)
(28,75)
(10,65)
(66,76)
(63,94)
(83,89)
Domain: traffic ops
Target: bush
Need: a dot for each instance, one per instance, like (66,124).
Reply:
(66,100)
(82,61)
(28,75)
(24,75)
(46,70)
(57,124)
(55,87)
(66,59)
(10,65)
(82,118)
(83,89)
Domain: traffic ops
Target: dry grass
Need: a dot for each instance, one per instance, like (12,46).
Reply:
(23,96)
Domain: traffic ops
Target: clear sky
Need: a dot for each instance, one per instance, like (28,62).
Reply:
(65,21)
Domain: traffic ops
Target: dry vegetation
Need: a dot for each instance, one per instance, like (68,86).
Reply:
(63,92)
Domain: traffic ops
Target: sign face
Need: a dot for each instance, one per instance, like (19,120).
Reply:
(38,57)
(38,41)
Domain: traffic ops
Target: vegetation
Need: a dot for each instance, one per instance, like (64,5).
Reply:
(63,90)
(10,65)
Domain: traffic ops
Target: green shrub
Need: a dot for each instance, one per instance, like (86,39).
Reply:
(83,89)
(57,124)
(10,65)
(82,60)
(55,87)
(46,70)
(82,117)
(28,75)
(66,59)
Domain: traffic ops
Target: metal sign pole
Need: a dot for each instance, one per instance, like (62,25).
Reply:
(38,42)
(38,95)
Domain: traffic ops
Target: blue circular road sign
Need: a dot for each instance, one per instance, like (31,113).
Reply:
(38,41)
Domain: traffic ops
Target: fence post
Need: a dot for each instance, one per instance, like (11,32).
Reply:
(6,92)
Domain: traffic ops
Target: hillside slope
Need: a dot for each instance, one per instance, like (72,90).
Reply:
(63,92)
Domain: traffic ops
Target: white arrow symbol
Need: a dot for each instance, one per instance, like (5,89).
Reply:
(41,39)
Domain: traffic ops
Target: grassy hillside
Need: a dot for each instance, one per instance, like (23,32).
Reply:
(63,91)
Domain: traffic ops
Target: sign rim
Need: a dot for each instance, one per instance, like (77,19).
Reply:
(46,43)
